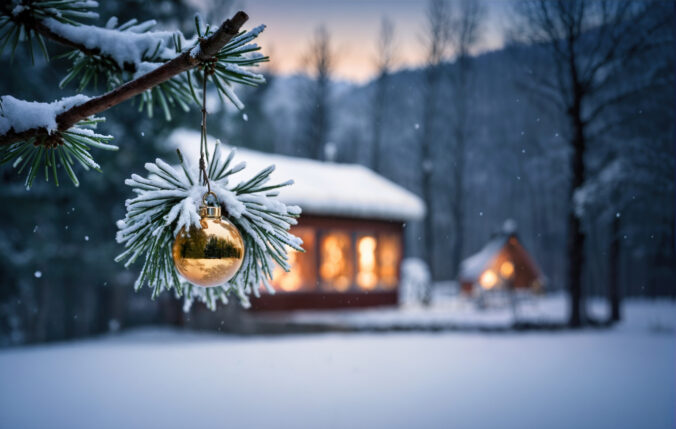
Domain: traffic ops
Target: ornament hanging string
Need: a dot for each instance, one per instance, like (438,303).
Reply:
(203,137)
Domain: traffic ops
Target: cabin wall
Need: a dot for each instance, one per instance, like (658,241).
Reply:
(326,293)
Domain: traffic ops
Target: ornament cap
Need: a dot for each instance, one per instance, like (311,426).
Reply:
(210,210)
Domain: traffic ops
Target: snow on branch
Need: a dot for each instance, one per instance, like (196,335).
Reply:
(19,115)
(52,136)
(208,48)
(127,48)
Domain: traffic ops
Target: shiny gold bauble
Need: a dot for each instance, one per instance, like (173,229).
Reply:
(209,256)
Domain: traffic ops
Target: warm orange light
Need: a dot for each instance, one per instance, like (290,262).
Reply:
(366,259)
(488,279)
(506,269)
(302,266)
(290,281)
(335,268)
(389,254)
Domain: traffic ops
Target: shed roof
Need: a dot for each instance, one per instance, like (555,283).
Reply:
(323,188)
(472,267)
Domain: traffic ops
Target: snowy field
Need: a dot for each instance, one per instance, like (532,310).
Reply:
(619,378)
(454,311)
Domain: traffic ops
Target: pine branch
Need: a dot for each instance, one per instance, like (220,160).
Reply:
(208,48)
(166,201)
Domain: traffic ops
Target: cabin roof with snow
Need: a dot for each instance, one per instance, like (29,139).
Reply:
(322,188)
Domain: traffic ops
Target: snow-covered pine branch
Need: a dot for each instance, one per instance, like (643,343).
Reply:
(33,155)
(167,200)
(159,66)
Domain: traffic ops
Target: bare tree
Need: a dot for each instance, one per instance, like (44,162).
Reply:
(464,34)
(385,58)
(436,43)
(613,264)
(588,42)
(315,120)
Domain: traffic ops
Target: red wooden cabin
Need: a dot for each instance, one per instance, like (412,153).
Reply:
(352,228)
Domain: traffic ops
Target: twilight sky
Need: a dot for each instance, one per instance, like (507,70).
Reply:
(353,26)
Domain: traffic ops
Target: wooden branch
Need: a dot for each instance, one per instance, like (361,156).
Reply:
(184,62)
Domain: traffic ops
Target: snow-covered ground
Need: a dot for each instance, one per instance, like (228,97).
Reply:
(455,311)
(619,378)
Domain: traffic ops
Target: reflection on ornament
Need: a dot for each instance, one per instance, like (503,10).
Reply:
(209,256)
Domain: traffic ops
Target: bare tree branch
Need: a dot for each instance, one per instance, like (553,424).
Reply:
(316,111)
(384,60)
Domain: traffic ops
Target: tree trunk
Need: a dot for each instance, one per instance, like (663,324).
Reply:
(429,120)
(575,234)
(378,113)
(321,119)
(428,247)
(458,204)
(460,131)
(614,277)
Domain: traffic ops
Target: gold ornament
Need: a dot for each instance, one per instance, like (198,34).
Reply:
(209,256)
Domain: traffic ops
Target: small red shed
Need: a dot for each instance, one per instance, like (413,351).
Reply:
(503,263)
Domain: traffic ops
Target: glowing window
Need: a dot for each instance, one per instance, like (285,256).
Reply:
(367,273)
(389,255)
(302,275)
(336,268)
(506,269)
(488,279)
